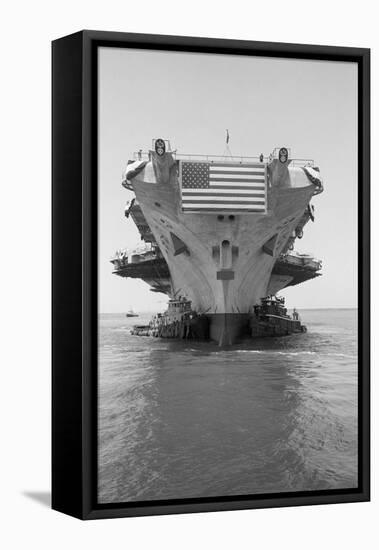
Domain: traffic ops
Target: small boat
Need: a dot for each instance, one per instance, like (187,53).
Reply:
(131,313)
(140,330)
(271,319)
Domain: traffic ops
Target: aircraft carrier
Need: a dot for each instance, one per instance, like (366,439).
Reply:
(219,232)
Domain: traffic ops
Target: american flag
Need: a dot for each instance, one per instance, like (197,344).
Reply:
(223,186)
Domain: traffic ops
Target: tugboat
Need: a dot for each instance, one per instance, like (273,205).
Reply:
(131,313)
(178,321)
(271,319)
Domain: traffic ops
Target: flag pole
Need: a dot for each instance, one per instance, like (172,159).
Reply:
(227,152)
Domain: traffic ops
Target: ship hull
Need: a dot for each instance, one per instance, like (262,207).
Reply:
(222,264)
(228,328)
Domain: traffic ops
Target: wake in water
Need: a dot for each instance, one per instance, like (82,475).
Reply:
(278,414)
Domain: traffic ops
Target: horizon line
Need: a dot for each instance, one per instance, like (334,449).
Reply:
(299,308)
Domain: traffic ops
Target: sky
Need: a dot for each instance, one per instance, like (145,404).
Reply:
(191,98)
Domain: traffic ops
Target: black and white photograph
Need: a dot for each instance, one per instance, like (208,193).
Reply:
(188,320)
(227,275)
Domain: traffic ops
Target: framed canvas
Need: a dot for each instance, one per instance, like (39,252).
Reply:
(210,274)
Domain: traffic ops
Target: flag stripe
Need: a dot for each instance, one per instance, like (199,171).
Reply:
(237,173)
(215,167)
(226,193)
(212,206)
(225,201)
(237,180)
(221,166)
(209,196)
(226,189)
(236,176)
(233,187)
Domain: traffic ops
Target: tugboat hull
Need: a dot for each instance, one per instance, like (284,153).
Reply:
(275,327)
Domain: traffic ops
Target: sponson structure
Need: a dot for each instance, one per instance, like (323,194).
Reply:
(219,231)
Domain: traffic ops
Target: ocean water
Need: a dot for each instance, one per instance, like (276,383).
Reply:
(182,419)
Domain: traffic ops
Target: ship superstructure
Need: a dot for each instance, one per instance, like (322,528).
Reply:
(218,231)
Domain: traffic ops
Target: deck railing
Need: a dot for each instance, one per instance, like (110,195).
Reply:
(139,250)
(145,155)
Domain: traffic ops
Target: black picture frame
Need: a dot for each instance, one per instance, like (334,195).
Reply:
(74,271)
